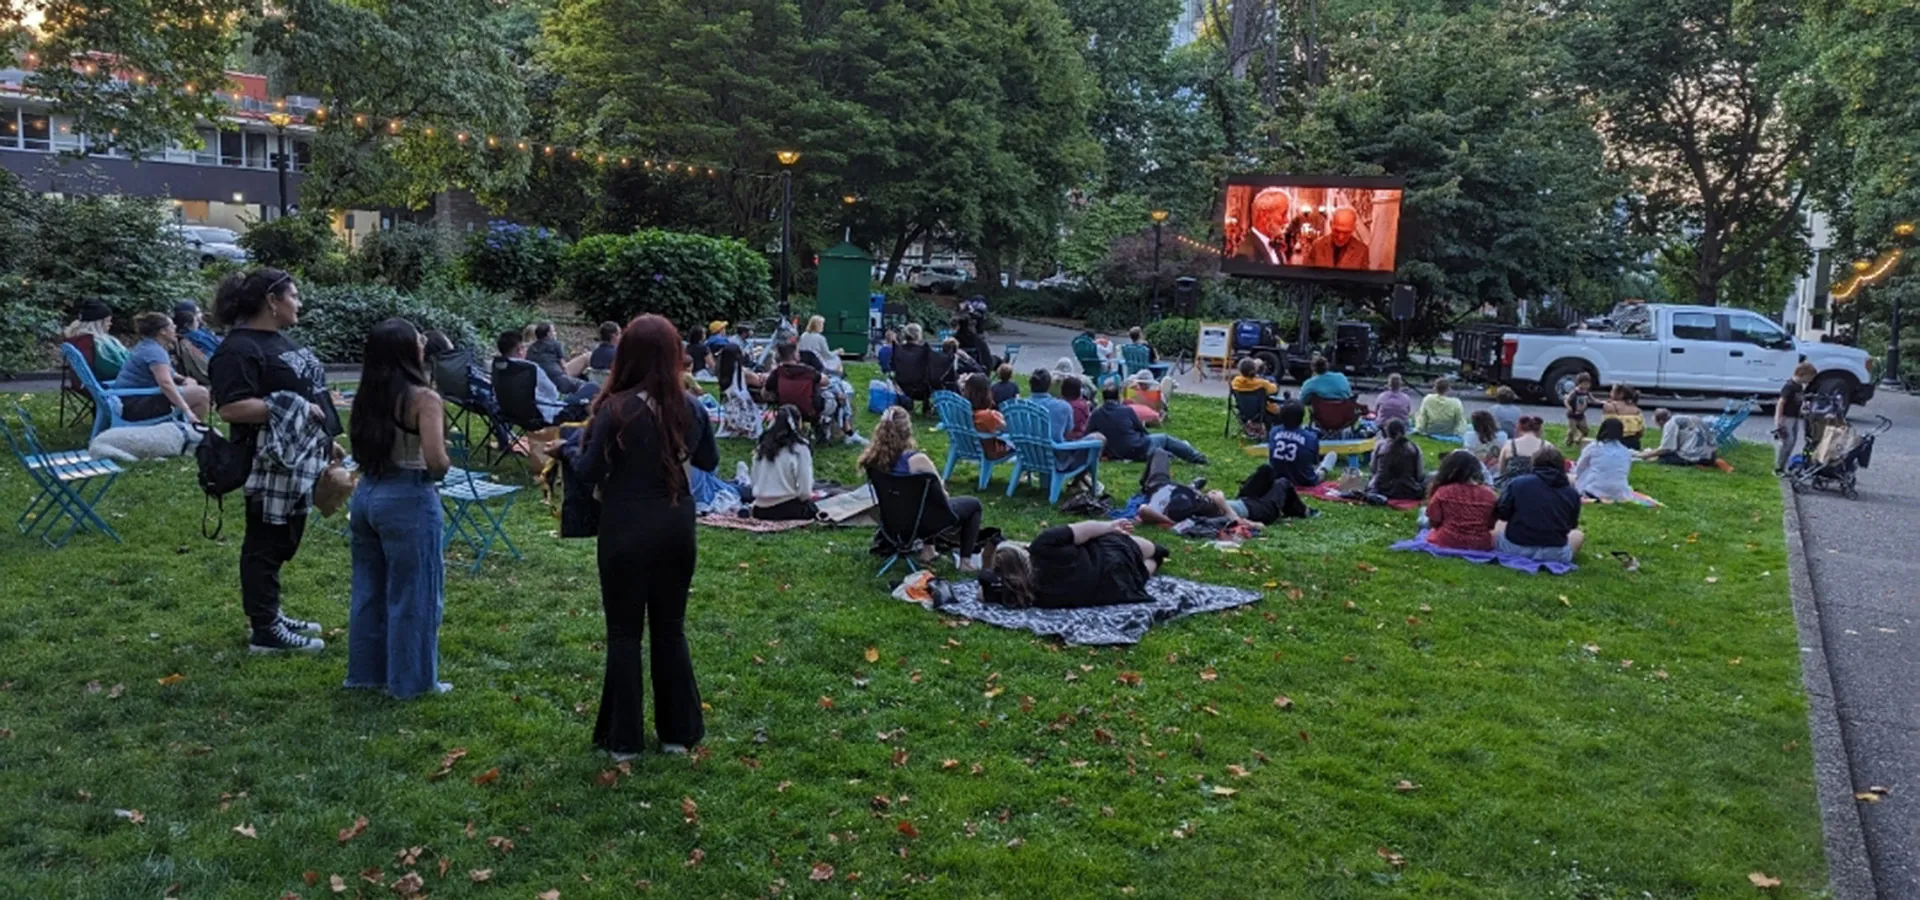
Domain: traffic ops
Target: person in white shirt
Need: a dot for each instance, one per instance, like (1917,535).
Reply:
(814,341)
(782,471)
(1684,440)
(1602,470)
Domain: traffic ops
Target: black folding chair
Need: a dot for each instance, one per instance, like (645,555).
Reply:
(912,510)
(450,379)
(1247,410)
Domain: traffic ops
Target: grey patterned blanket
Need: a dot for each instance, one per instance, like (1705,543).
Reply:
(1097,625)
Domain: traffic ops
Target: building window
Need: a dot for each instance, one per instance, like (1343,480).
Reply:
(257,150)
(37,130)
(209,152)
(302,156)
(9,127)
(232,152)
(65,136)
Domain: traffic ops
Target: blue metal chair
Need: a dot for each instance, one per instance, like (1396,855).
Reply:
(963,443)
(477,508)
(1010,353)
(1037,450)
(106,400)
(1731,417)
(1137,358)
(71,483)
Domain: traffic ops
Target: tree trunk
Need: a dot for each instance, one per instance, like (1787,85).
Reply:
(899,251)
(1706,269)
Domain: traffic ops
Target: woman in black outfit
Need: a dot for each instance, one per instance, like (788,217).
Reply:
(1070,566)
(644,432)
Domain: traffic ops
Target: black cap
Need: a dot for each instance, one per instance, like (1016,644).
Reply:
(94,310)
(186,307)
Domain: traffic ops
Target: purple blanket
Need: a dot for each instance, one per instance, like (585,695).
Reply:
(1516,563)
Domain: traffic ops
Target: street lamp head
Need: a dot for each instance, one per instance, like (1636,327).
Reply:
(1159,215)
(279,119)
(1904,229)
(787,157)
(849,199)
(1861,265)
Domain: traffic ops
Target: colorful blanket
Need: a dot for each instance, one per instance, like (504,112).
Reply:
(1516,563)
(744,523)
(1327,490)
(1173,598)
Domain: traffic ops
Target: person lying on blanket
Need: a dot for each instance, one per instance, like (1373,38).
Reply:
(1684,440)
(1265,497)
(1071,566)
(1168,504)
(1459,513)
(1539,513)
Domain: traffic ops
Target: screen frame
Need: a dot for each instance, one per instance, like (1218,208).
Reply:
(1240,268)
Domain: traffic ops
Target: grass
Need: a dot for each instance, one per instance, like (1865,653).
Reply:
(961,760)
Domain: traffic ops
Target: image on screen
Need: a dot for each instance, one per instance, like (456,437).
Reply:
(1283,226)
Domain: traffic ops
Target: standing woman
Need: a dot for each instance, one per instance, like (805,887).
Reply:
(256,360)
(399,437)
(644,432)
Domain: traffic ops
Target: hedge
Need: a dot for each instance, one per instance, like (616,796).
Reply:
(689,278)
(335,321)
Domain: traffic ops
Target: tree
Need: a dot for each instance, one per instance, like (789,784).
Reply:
(445,65)
(1697,114)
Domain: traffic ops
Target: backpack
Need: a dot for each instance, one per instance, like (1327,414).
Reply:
(224,466)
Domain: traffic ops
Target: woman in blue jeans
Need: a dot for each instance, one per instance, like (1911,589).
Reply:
(399,439)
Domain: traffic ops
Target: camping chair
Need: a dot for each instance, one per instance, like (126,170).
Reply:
(106,400)
(476,507)
(1091,363)
(963,443)
(71,385)
(1247,411)
(912,509)
(1331,417)
(1731,417)
(449,371)
(1036,452)
(1138,358)
(67,486)
(1012,352)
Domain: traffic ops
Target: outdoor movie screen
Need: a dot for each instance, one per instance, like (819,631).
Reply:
(1303,226)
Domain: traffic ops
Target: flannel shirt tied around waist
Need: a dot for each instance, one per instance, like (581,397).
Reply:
(288,457)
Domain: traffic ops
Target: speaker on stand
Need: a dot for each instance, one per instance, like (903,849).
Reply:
(1405,301)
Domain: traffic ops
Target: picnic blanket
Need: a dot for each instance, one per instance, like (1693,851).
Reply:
(1173,598)
(838,508)
(1639,499)
(744,523)
(1516,563)
(1327,490)
(1442,438)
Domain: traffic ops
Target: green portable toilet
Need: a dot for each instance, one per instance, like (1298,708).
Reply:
(846,281)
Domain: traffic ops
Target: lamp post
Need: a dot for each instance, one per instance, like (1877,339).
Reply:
(1159,219)
(787,158)
(1904,233)
(847,201)
(279,158)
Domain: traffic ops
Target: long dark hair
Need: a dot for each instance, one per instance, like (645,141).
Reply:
(390,370)
(647,361)
(1395,432)
(242,295)
(978,394)
(1611,431)
(783,433)
(1484,427)
(1458,467)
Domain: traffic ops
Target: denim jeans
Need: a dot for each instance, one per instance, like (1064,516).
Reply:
(1180,449)
(393,624)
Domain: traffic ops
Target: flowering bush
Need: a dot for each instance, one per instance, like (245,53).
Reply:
(513,259)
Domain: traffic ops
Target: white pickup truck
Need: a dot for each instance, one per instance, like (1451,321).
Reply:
(1685,350)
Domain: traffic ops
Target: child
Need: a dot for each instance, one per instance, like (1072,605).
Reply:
(1487,438)
(885,353)
(1623,403)
(1505,409)
(1578,400)
(1003,387)
(1786,415)
(1249,380)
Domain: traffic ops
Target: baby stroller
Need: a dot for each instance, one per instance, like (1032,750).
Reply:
(1834,452)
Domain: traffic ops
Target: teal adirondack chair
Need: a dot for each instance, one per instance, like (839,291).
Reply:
(1091,363)
(1139,359)
(963,443)
(1036,449)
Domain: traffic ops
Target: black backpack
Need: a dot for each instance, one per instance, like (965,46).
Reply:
(224,466)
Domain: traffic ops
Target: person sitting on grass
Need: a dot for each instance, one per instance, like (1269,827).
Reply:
(1325,384)
(1294,451)
(1072,566)
(1249,380)
(1127,439)
(1459,513)
(1506,409)
(1004,388)
(893,452)
(150,366)
(601,356)
(1394,402)
(1485,439)
(1072,392)
(1602,470)
(782,471)
(1539,513)
(1684,440)
(1441,413)
(1399,472)
(1517,456)
(1623,403)
(986,419)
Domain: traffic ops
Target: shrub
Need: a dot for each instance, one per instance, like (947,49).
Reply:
(688,278)
(513,259)
(335,321)
(118,250)
(1171,337)
(405,256)
(293,243)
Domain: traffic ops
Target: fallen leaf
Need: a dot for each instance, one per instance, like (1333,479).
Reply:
(373,875)
(1713,579)
(1016,843)
(445,864)
(411,884)
(488,777)
(946,764)
(93,687)
(132,815)
(554,894)
(1660,674)
(607,779)
(113,693)
(469,829)
(409,856)
(172,680)
(353,831)
(1761,881)
(1734,661)
(689,810)
(480,876)
(906,829)
(873,654)
(338,884)
(1393,859)
(821,872)
(447,761)
(1131,679)
(310,877)
(994,691)
(1366,567)
(499,843)
(1102,736)
(246,831)
(1237,771)
(826,702)
(1220,790)
(1405,787)
(1208,674)
(1283,702)
(899,757)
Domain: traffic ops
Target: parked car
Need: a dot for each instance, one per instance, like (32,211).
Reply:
(1663,348)
(213,244)
(1062,281)
(946,279)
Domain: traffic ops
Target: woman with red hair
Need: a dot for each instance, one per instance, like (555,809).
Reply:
(643,434)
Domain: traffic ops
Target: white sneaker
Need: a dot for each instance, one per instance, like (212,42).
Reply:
(740,474)
(674,749)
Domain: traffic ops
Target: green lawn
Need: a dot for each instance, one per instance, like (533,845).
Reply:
(1606,734)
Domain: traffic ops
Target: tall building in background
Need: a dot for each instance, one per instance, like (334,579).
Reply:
(1809,312)
(1186,28)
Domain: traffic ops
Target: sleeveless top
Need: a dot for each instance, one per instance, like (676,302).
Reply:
(406,448)
(900,463)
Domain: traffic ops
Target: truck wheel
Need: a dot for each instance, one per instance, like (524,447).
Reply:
(1835,383)
(1272,361)
(1559,381)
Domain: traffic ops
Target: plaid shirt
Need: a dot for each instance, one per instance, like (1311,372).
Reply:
(288,457)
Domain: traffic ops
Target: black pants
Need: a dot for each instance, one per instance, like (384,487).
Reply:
(798,508)
(263,551)
(646,570)
(1270,498)
(970,513)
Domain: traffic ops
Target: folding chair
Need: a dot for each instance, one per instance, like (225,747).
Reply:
(106,400)
(1248,411)
(67,486)
(72,386)
(1012,353)
(1087,353)
(450,377)
(1731,417)
(964,443)
(473,515)
(1332,417)
(912,509)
